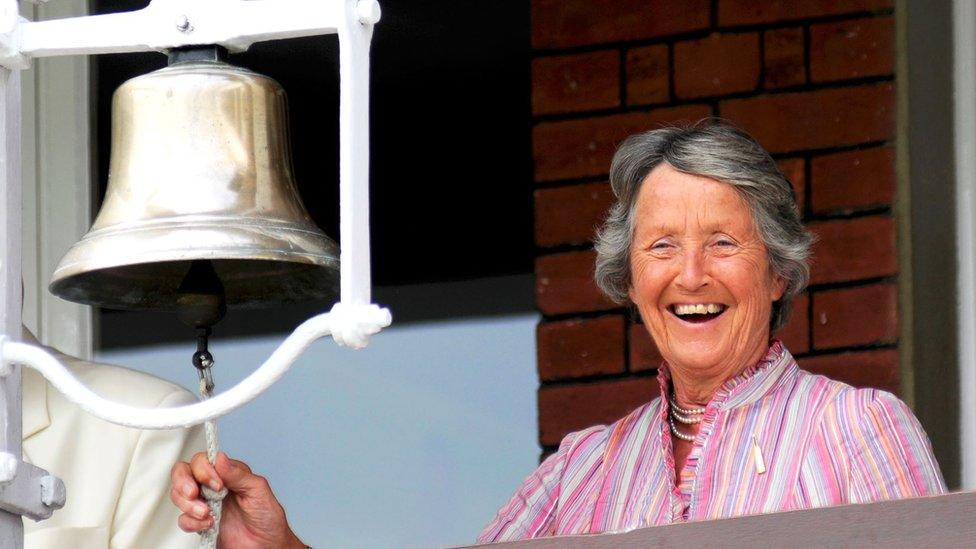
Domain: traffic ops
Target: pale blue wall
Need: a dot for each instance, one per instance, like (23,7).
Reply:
(412,442)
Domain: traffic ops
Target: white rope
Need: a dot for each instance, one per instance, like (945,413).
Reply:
(351,325)
(215,499)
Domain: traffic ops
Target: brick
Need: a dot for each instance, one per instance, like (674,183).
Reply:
(564,284)
(855,316)
(852,49)
(750,12)
(581,148)
(783,58)
(565,23)
(852,249)
(567,408)
(795,171)
(580,347)
(644,355)
(647,72)
(572,83)
(717,65)
(877,369)
(817,119)
(853,179)
(570,215)
(796,334)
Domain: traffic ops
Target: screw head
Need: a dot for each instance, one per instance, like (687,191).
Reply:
(183,24)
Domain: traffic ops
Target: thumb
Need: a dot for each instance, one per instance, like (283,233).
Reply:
(238,478)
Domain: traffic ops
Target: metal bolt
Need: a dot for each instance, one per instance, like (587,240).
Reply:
(52,491)
(183,24)
(8,467)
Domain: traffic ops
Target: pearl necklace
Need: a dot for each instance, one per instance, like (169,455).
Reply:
(679,434)
(688,412)
(688,417)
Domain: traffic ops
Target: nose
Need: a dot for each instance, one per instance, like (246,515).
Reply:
(692,276)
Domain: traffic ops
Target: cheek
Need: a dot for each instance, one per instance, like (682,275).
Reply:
(750,283)
(647,280)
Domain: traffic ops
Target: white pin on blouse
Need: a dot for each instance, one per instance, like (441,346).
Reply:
(758,457)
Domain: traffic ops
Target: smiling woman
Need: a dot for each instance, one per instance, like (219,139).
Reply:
(705,240)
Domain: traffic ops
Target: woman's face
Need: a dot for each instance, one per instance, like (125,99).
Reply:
(700,275)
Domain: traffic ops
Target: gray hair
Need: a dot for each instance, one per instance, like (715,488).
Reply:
(718,150)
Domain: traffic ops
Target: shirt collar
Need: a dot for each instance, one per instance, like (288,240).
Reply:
(774,370)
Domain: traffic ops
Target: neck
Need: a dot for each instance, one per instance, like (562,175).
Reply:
(694,387)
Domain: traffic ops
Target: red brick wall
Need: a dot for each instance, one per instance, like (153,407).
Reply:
(811,79)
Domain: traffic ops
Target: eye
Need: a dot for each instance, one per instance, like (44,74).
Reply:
(662,245)
(723,241)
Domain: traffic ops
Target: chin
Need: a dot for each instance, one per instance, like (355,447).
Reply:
(700,354)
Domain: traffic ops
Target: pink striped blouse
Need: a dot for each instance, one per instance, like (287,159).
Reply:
(774,438)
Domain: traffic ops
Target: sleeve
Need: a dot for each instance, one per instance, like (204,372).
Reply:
(889,454)
(144,515)
(532,510)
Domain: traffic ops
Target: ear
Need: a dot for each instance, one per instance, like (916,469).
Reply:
(778,288)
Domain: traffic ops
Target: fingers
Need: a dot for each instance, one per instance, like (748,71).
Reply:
(239,478)
(190,524)
(195,508)
(234,462)
(185,494)
(183,481)
(204,472)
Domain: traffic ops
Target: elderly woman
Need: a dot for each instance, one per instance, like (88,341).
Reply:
(706,241)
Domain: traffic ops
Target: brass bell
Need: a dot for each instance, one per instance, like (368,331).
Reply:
(201,208)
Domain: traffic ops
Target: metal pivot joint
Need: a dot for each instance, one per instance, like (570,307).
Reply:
(203,361)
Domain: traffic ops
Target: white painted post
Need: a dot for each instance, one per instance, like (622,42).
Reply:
(354,39)
(964,99)
(11,527)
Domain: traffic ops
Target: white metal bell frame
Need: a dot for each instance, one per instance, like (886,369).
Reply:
(164,24)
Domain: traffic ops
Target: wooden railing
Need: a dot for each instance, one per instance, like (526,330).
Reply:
(926,523)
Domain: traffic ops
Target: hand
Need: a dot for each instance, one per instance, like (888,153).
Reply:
(252,517)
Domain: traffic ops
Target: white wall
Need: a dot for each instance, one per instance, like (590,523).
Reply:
(412,442)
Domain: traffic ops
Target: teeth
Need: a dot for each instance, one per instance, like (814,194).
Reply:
(699,309)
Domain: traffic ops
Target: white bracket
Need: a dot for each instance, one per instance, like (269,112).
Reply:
(166,24)
(349,325)
(28,490)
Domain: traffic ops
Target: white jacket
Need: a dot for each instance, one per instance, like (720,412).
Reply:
(117,478)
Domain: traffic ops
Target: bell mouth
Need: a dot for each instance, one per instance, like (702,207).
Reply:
(155,286)
(142,267)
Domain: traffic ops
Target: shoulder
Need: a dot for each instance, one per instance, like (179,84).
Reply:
(866,409)
(875,426)
(840,401)
(852,417)
(594,443)
(127,386)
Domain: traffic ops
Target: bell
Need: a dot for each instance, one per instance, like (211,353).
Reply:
(201,210)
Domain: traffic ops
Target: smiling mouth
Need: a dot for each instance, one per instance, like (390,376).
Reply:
(697,313)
